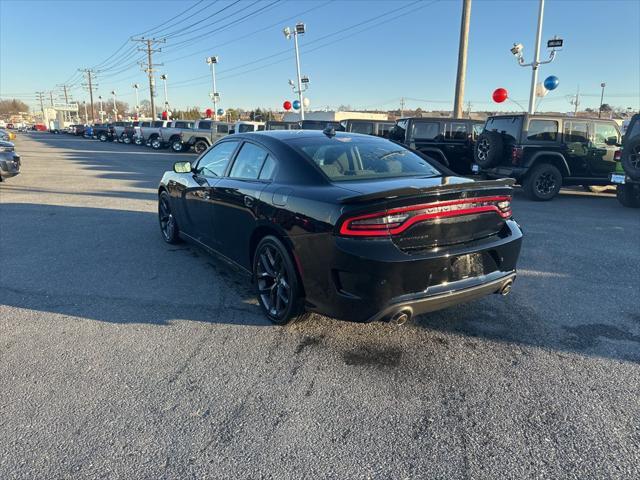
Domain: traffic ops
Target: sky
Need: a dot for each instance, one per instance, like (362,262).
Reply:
(362,53)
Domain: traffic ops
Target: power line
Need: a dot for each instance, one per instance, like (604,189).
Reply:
(148,32)
(150,42)
(176,32)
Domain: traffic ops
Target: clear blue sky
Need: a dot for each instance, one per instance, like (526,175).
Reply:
(410,50)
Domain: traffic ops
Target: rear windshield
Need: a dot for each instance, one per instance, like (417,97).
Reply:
(509,126)
(366,128)
(243,128)
(343,158)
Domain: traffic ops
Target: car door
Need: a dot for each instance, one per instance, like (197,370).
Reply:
(575,145)
(198,198)
(456,147)
(606,140)
(237,200)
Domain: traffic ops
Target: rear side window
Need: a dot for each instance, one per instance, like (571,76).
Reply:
(204,125)
(183,125)
(604,132)
(477,130)
(267,169)
(158,124)
(543,131)
(425,130)
(384,129)
(456,131)
(215,161)
(508,126)
(243,128)
(362,127)
(576,132)
(223,128)
(248,162)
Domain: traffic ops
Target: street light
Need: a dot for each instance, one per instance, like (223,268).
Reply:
(101,109)
(215,96)
(299,29)
(554,45)
(135,87)
(115,107)
(602,85)
(164,78)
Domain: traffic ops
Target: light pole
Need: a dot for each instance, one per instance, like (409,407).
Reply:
(299,29)
(115,106)
(101,109)
(554,44)
(215,96)
(164,77)
(601,99)
(135,87)
(86,118)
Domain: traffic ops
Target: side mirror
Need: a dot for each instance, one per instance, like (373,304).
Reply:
(612,141)
(182,167)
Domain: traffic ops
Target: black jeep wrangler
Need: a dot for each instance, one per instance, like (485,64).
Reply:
(627,176)
(544,152)
(449,141)
(379,128)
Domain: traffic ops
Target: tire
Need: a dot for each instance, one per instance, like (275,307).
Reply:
(488,149)
(177,146)
(168,223)
(631,158)
(628,196)
(126,140)
(138,141)
(156,144)
(276,281)
(200,147)
(543,182)
(103,137)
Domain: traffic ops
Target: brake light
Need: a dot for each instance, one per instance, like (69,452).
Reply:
(516,155)
(617,155)
(397,220)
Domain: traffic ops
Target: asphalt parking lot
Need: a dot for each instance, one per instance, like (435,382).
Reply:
(124,357)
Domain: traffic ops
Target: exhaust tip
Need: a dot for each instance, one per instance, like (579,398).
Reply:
(401,317)
(506,288)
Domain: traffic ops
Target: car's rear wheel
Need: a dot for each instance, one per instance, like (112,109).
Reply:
(138,141)
(543,182)
(177,146)
(155,143)
(631,158)
(126,139)
(628,196)
(276,280)
(200,146)
(168,225)
(102,137)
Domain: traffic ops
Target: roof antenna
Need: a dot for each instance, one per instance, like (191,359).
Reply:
(329,131)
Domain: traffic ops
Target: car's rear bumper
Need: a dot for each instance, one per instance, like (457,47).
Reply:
(363,280)
(9,167)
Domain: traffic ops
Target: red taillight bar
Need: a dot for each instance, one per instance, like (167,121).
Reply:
(464,206)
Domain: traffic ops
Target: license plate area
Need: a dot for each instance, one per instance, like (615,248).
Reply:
(466,266)
(617,178)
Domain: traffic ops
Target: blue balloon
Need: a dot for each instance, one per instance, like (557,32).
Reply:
(296,104)
(551,82)
(220,111)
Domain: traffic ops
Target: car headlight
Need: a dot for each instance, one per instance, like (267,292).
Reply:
(7,149)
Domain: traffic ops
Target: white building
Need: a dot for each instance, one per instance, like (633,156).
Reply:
(333,116)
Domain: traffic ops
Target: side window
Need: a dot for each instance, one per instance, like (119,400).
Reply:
(604,132)
(576,132)
(425,130)
(204,125)
(543,131)
(243,128)
(362,127)
(384,129)
(223,128)
(215,161)
(268,168)
(248,162)
(477,130)
(456,131)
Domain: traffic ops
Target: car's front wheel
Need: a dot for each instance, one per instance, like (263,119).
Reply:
(155,143)
(200,147)
(103,137)
(168,225)
(177,146)
(543,182)
(277,286)
(126,139)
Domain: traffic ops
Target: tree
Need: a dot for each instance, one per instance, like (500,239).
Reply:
(606,107)
(13,106)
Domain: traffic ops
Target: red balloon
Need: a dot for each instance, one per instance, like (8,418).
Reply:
(500,95)
(164,115)
(208,112)
(287,105)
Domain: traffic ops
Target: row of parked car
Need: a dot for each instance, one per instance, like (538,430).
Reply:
(543,153)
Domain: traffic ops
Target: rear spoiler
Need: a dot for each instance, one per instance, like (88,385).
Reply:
(440,189)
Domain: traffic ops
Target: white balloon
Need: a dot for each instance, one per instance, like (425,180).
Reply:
(306,102)
(541,90)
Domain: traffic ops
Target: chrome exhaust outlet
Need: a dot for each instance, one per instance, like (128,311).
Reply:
(401,317)
(506,288)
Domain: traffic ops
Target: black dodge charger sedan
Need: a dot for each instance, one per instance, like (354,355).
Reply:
(350,226)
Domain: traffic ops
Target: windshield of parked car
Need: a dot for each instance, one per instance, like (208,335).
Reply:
(508,126)
(344,158)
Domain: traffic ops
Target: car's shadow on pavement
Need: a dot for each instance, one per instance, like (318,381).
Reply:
(112,266)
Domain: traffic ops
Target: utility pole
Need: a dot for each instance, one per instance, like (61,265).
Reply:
(468,109)
(86,120)
(101,109)
(576,102)
(149,43)
(115,106)
(90,73)
(51,97)
(215,96)
(40,96)
(601,99)
(164,78)
(135,87)
(401,107)
(299,29)
(462,59)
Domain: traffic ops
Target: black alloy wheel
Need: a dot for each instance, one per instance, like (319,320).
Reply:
(200,147)
(168,225)
(631,158)
(276,282)
(543,182)
(628,196)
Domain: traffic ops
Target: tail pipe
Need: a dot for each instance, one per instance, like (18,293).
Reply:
(401,317)
(506,288)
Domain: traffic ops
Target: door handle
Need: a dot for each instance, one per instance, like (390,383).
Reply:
(248,201)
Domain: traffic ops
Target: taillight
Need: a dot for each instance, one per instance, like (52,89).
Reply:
(397,220)
(516,155)
(618,155)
